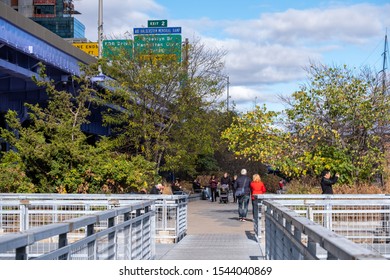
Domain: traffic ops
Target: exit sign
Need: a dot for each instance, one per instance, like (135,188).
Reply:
(158,23)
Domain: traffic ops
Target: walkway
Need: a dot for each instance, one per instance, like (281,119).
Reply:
(214,233)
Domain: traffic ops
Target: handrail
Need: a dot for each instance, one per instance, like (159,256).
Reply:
(311,200)
(285,227)
(171,210)
(106,236)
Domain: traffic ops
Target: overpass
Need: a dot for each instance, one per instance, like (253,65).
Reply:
(23,45)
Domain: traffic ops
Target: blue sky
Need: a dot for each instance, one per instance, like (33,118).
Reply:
(269,42)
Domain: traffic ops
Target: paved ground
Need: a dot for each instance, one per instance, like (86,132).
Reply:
(215,233)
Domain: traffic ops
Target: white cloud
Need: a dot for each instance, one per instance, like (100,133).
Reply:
(119,16)
(351,24)
(264,54)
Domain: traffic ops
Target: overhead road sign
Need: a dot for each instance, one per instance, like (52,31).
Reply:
(158,23)
(158,45)
(157,30)
(115,47)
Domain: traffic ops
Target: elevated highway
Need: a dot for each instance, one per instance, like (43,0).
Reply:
(23,45)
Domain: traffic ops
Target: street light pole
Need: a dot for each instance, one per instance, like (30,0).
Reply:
(227,93)
(100,28)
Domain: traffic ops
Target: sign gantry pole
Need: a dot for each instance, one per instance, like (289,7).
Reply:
(100,31)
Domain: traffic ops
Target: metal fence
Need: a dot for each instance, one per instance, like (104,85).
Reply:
(290,236)
(123,233)
(363,219)
(20,212)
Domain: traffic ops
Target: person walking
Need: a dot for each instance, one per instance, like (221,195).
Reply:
(257,187)
(327,181)
(234,188)
(213,187)
(243,191)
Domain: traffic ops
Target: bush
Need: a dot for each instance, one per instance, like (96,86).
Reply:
(312,186)
(12,177)
(110,174)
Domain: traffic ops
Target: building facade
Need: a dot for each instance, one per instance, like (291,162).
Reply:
(55,15)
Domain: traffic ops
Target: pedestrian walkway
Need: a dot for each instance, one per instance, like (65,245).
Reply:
(214,233)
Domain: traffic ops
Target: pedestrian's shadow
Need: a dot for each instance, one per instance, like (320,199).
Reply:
(250,235)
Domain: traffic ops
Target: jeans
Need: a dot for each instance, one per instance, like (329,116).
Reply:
(243,202)
(213,194)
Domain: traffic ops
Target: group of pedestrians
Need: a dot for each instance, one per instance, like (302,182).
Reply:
(246,189)
(242,187)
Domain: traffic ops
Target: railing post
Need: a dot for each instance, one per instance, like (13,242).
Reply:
(257,219)
(298,237)
(328,213)
(91,245)
(127,237)
(21,253)
(177,203)
(62,242)
(111,240)
(288,243)
(268,234)
(309,212)
(331,257)
(279,238)
(311,246)
(24,219)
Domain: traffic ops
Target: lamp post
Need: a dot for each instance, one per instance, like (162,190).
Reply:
(100,27)
(227,91)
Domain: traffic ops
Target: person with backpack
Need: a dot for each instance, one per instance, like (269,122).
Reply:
(243,192)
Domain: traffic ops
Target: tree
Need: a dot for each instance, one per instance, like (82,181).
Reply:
(164,104)
(51,153)
(337,121)
(52,141)
(256,136)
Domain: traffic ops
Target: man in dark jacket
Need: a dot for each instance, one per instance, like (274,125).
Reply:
(327,182)
(243,192)
(156,189)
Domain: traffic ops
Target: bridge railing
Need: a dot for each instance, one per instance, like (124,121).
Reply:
(123,233)
(20,212)
(364,219)
(288,235)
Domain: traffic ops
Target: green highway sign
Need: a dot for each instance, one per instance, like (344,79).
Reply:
(115,47)
(168,44)
(158,23)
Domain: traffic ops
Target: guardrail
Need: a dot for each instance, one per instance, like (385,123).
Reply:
(364,219)
(290,236)
(20,212)
(123,233)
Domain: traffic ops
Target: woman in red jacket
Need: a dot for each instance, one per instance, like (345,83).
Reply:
(257,187)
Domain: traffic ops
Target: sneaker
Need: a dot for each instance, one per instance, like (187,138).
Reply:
(243,220)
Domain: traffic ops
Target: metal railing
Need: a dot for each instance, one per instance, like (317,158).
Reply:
(363,219)
(290,236)
(20,212)
(123,233)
